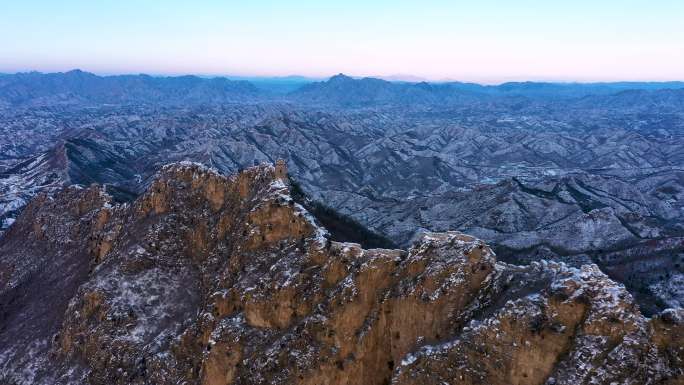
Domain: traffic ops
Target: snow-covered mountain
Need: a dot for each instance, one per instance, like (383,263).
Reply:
(592,174)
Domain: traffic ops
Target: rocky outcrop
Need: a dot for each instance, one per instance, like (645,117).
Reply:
(208,279)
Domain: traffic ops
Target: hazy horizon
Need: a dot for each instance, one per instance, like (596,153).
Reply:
(304,78)
(489,42)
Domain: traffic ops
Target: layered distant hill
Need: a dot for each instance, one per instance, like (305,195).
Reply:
(74,87)
(346,91)
(78,87)
(583,173)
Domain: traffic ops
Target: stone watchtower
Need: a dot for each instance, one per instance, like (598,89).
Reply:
(281,170)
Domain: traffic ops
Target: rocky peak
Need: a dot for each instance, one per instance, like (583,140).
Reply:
(340,78)
(213,279)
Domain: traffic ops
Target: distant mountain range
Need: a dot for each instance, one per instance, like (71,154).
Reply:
(346,91)
(78,87)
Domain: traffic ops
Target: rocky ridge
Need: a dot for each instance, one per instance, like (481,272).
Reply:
(208,279)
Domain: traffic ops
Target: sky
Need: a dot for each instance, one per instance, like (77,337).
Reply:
(484,41)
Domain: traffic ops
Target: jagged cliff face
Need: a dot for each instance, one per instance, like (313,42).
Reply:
(207,279)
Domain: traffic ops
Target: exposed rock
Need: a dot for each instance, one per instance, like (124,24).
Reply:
(207,279)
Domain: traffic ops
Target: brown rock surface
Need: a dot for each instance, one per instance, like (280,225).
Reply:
(207,279)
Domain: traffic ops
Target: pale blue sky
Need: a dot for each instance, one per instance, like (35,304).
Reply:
(485,40)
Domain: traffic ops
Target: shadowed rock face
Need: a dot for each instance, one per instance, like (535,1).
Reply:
(207,279)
